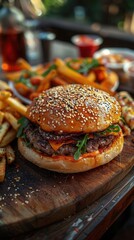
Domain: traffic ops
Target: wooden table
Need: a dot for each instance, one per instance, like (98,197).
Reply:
(92,222)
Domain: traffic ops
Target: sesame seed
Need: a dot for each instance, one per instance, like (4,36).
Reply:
(73,103)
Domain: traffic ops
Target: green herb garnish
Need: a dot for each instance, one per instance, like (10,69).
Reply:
(86,66)
(81,144)
(72,60)
(112,128)
(122,119)
(53,66)
(25,81)
(23,123)
(25,78)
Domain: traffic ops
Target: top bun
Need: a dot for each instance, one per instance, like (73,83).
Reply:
(74,108)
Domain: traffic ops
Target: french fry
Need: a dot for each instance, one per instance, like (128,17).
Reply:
(2,105)
(2,168)
(13,111)
(1,117)
(40,69)
(3,129)
(4,85)
(12,120)
(24,64)
(2,151)
(91,76)
(45,83)
(22,89)
(4,94)
(99,86)
(8,138)
(34,95)
(71,74)
(13,76)
(16,105)
(56,81)
(44,86)
(10,155)
(59,62)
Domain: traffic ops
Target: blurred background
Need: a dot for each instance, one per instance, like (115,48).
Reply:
(116,13)
(113,20)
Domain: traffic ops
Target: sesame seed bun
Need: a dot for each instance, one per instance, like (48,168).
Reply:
(67,164)
(74,108)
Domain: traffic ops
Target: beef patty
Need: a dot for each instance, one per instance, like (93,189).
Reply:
(39,139)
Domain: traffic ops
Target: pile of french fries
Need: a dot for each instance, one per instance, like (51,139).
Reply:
(11,109)
(61,74)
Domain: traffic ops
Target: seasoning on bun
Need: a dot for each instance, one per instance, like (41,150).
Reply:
(72,128)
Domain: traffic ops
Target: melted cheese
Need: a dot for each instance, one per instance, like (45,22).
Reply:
(56,145)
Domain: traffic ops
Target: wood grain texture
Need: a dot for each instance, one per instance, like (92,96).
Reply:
(31,197)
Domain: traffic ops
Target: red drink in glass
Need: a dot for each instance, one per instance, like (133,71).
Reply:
(12,48)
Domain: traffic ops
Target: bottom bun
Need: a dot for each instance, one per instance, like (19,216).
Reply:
(67,164)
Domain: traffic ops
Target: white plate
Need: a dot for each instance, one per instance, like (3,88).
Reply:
(127,68)
(18,95)
(125,52)
(116,85)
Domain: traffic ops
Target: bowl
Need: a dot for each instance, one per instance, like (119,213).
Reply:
(129,74)
(18,95)
(115,58)
(87,44)
(129,69)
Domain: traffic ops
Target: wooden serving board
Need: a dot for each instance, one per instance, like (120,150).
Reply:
(32,197)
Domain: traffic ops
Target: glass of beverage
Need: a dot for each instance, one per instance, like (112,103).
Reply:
(46,39)
(12,48)
(87,44)
(12,36)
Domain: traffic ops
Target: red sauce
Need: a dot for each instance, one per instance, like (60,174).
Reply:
(87,46)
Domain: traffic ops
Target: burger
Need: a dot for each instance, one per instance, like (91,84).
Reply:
(71,128)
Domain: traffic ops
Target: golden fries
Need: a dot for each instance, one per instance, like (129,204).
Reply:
(6,155)
(11,109)
(70,74)
(4,85)
(8,138)
(45,83)
(2,168)
(10,155)
(2,104)
(16,105)
(12,120)
(24,64)
(1,117)
(4,94)
(58,81)
(3,129)
(13,76)
(60,72)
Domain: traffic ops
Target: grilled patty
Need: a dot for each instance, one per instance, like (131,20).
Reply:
(39,139)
